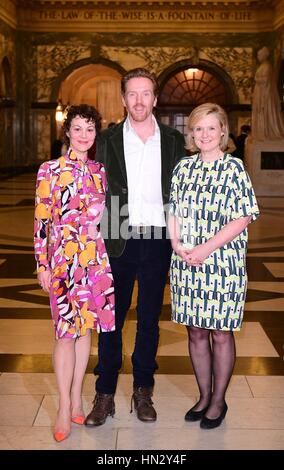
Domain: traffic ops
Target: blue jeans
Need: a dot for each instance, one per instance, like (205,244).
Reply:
(147,260)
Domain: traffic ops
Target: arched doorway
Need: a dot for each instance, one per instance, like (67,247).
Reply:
(7,115)
(95,84)
(186,86)
(6,86)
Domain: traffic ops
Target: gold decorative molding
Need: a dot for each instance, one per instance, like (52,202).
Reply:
(250,16)
(8,12)
(166,19)
(148,16)
(104,3)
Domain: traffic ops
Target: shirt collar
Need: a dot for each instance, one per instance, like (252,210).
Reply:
(129,128)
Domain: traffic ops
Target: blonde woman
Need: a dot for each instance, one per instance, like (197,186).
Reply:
(211,204)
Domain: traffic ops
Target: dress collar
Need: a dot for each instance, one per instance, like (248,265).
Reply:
(71,155)
(210,165)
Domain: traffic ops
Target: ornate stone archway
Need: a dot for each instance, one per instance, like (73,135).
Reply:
(185,85)
(95,84)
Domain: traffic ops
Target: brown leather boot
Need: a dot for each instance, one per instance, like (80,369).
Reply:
(103,407)
(143,404)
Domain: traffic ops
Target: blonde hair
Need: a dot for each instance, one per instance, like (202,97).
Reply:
(199,113)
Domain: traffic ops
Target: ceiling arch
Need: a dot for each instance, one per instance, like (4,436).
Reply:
(97,85)
(187,85)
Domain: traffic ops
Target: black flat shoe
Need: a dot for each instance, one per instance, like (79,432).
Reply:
(192,415)
(207,423)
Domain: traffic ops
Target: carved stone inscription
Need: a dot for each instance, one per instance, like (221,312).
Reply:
(142,15)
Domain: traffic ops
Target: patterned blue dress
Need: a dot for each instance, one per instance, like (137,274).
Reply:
(206,196)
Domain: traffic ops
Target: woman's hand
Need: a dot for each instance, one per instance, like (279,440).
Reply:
(44,280)
(181,251)
(197,255)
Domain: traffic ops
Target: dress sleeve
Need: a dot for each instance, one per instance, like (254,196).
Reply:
(173,203)
(96,209)
(43,201)
(245,203)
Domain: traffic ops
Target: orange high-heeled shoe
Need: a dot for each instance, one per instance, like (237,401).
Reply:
(60,436)
(80,419)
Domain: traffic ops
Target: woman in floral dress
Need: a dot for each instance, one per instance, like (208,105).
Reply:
(72,263)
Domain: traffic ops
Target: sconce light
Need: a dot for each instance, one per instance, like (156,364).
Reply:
(59,112)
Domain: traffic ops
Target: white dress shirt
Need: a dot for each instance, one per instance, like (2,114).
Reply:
(143,167)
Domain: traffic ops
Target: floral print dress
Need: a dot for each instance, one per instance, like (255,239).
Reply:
(70,199)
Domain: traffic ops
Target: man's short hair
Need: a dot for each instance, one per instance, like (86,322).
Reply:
(137,73)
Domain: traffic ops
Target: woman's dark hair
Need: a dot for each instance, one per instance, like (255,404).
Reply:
(137,73)
(84,111)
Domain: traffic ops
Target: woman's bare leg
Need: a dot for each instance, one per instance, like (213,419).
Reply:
(82,354)
(64,363)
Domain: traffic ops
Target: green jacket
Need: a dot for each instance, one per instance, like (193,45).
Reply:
(110,152)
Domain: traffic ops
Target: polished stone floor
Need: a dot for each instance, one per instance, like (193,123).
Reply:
(28,396)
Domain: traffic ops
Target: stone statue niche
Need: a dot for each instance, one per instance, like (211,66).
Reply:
(264,153)
(267,120)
